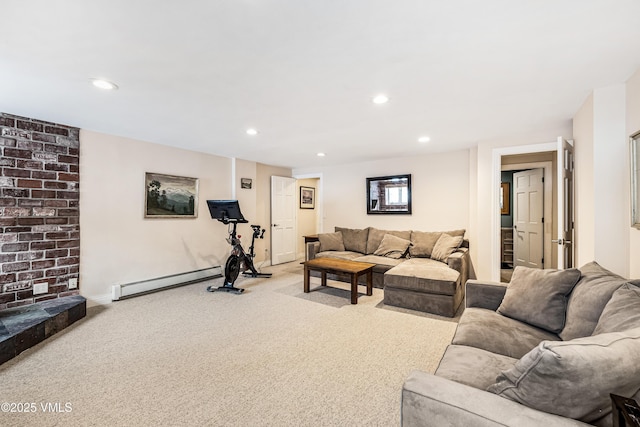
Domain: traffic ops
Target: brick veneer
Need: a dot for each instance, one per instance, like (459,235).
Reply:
(39,209)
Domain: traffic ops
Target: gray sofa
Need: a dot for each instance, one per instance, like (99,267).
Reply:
(423,271)
(545,350)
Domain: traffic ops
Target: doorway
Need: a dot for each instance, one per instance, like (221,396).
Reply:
(530,246)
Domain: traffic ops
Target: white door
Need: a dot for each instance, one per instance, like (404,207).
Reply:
(283,219)
(565,204)
(528,213)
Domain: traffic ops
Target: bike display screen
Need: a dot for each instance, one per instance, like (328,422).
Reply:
(225,210)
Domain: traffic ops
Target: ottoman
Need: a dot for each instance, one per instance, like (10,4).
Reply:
(425,285)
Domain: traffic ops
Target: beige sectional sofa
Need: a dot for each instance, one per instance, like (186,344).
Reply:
(546,350)
(419,270)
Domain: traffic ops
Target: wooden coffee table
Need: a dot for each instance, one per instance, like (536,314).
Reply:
(333,265)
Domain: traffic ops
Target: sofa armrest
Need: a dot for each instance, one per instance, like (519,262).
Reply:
(487,295)
(429,400)
(312,249)
(459,261)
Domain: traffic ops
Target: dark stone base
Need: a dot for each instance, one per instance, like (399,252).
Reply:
(23,327)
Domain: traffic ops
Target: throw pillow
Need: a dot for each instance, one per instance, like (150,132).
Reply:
(423,243)
(445,246)
(574,378)
(375,237)
(539,297)
(622,312)
(587,300)
(331,241)
(392,247)
(354,240)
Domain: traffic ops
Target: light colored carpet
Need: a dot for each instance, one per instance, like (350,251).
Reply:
(272,356)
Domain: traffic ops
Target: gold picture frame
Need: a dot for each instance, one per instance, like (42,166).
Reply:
(505,202)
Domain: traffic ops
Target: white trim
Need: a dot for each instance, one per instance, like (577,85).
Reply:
(95,300)
(496,168)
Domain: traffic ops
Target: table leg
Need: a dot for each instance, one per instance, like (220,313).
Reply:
(323,278)
(307,274)
(370,282)
(354,288)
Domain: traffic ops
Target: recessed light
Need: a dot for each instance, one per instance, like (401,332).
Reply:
(104,84)
(424,139)
(252,132)
(320,154)
(380,99)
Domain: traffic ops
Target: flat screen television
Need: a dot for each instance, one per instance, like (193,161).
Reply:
(225,210)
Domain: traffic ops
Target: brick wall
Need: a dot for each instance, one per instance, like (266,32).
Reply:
(39,209)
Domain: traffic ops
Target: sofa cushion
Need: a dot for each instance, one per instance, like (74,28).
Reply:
(331,242)
(587,300)
(354,239)
(539,297)
(473,366)
(622,312)
(375,237)
(347,255)
(392,247)
(445,246)
(490,331)
(574,378)
(423,275)
(379,260)
(423,242)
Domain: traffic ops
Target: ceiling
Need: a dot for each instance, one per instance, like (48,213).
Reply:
(197,73)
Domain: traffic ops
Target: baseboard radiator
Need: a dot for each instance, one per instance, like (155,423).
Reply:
(129,290)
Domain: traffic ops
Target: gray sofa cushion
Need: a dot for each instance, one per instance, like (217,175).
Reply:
(376,236)
(490,331)
(539,297)
(354,240)
(349,256)
(382,263)
(423,242)
(392,247)
(445,246)
(331,242)
(587,300)
(622,312)
(460,364)
(574,378)
(423,275)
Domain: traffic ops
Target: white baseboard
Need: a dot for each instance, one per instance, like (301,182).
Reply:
(94,300)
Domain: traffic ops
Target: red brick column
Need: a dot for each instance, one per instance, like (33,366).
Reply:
(39,209)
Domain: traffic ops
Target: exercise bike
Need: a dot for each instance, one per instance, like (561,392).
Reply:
(228,212)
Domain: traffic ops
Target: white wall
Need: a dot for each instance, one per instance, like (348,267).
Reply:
(584,212)
(118,245)
(603,180)
(611,179)
(633,126)
(440,192)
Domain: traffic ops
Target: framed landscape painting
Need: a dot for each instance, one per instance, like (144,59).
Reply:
(307,197)
(169,196)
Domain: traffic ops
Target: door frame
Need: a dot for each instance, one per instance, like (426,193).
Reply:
(319,197)
(549,223)
(496,168)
